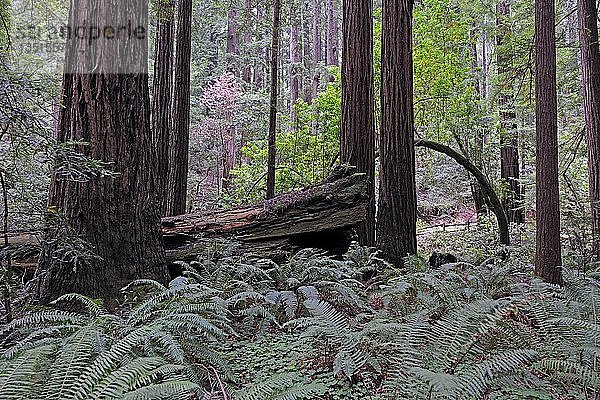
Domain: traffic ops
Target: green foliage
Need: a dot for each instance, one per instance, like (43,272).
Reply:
(306,153)
(309,328)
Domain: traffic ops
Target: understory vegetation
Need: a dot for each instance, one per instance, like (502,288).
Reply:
(316,328)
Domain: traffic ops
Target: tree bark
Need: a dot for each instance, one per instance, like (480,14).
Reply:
(590,65)
(509,139)
(162,95)
(397,211)
(317,55)
(294,66)
(180,132)
(321,216)
(548,258)
(485,185)
(115,219)
(357,134)
(333,53)
(274,95)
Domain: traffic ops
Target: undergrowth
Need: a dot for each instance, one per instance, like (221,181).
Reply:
(315,328)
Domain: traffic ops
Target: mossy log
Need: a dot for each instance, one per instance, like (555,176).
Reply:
(321,216)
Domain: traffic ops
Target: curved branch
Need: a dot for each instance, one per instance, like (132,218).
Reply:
(486,186)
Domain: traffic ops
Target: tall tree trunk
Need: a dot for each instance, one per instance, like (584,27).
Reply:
(477,152)
(590,64)
(247,40)
(232,41)
(180,132)
(115,219)
(307,59)
(333,53)
(294,66)
(317,56)
(357,136)
(548,258)
(162,96)
(274,96)
(509,140)
(229,150)
(397,212)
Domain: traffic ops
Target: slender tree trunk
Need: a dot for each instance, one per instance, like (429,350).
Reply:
(333,54)
(397,212)
(162,96)
(246,71)
(548,258)
(180,132)
(307,58)
(229,150)
(274,95)
(357,136)
(590,64)
(232,41)
(115,219)
(477,153)
(509,139)
(247,40)
(294,66)
(317,56)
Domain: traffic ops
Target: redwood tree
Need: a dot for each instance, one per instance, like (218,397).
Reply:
(397,211)
(274,95)
(295,61)
(180,131)
(357,136)
(111,223)
(316,47)
(162,92)
(509,140)
(548,258)
(590,64)
(333,54)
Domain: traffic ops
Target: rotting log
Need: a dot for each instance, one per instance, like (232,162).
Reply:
(484,183)
(322,216)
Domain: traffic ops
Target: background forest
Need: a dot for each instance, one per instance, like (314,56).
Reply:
(359,200)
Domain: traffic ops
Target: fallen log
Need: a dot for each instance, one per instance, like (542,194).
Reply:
(321,216)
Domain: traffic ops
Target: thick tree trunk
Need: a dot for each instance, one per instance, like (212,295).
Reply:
(548,259)
(485,185)
(357,135)
(590,64)
(397,211)
(180,131)
(322,216)
(509,140)
(162,95)
(111,222)
(247,40)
